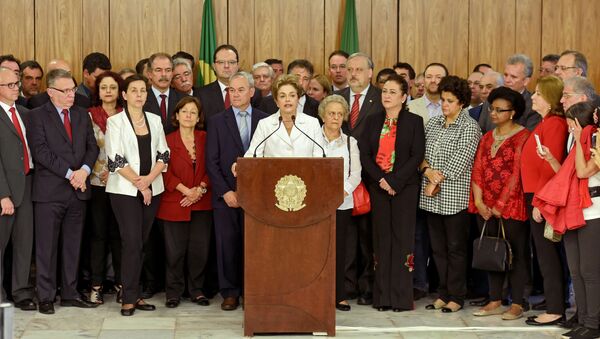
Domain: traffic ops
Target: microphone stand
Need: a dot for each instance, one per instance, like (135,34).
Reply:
(311,139)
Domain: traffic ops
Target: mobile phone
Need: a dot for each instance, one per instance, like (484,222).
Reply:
(539,144)
(594,140)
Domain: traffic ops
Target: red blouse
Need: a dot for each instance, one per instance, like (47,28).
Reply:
(499,176)
(181,170)
(387,145)
(535,171)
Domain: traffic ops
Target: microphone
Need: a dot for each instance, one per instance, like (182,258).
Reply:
(268,136)
(311,139)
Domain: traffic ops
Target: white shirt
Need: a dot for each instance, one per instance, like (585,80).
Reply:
(158,93)
(282,144)
(339,148)
(361,99)
(301,102)
(6,109)
(223,89)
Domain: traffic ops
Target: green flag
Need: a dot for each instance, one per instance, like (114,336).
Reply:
(208,44)
(349,43)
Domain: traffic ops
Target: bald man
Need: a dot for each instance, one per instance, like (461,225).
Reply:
(42,98)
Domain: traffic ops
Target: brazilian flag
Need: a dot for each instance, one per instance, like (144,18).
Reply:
(208,44)
(349,43)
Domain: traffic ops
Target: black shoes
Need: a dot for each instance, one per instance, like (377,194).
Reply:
(145,307)
(365,300)
(343,307)
(78,302)
(26,305)
(571,322)
(418,294)
(534,322)
(127,312)
(46,307)
(172,303)
(201,300)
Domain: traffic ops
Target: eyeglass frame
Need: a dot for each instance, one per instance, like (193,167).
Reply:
(497,110)
(65,91)
(564,68)
(12,85)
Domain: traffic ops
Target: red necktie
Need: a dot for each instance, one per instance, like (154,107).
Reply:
(15,121)
(163,107)
(227,102)
(67,123)
(354,111)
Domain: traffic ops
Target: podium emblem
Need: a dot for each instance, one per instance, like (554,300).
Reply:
(290,192)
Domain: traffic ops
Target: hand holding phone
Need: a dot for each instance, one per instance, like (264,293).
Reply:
(539,144)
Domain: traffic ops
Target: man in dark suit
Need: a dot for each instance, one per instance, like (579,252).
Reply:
(64,150)
(162,99)
(183,78)
(304,70)
(228,138)
(364,100)
(12,63)
(42,98)
(94,64)
(214,96)
(16,212)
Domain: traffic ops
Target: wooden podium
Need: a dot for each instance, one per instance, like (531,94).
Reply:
(289,257)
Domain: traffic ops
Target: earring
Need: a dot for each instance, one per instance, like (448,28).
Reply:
(511,117)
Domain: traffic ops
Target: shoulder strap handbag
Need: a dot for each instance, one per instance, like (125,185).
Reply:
(492,253)
(362,199)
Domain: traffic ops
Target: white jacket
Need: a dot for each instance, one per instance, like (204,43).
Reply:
(282,144)
(122,150)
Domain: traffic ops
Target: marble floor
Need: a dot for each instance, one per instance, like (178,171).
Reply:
(193,321)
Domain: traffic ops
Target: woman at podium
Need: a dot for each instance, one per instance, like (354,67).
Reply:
(288,132)
(392,147)
(333,110)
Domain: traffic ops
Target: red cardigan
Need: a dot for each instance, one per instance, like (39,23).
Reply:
(535,171)
(180,170)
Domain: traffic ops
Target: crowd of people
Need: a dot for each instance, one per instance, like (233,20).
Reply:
(126,183)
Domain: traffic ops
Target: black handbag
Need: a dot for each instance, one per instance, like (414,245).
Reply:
(492,253)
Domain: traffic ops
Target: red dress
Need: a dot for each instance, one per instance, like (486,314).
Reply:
(499,176)
(386,155)
(535,171)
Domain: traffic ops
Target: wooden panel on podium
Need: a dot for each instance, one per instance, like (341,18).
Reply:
(289,273)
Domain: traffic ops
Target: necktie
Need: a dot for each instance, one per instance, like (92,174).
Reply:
(67,123)
(163,107)
(354,111)
(15,121)
(227,102)
(244,130)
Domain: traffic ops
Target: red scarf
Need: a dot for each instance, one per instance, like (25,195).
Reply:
(562,200)
(99,116)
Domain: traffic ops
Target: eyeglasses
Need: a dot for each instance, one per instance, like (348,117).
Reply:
(335,114)
(499,110)
(12,85)
(563,68)
(66,91)
(568,95)
(228,62)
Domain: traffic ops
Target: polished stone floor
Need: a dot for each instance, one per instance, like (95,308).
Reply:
(193,321)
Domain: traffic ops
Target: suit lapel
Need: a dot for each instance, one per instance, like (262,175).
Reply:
(366,106)
(181,149)
(4,117)
(58,123)
(233,128)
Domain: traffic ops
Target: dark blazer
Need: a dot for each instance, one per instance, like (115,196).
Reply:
(181,170)
(12,172)
(54,154)
(211,98)
(42,98)
(223,147)
(475,112)
(409,148)
(371,105)
(153,106)
(311,106)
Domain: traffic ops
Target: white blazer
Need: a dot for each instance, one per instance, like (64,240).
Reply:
(282,144)
(122,150)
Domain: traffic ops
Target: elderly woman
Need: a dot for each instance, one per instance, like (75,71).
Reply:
(333,110)
(185,206)
(292,131)
(498,195)
(393,148)
(452,140)
(137,155)
(105,230)
(535,173)
(319,87)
